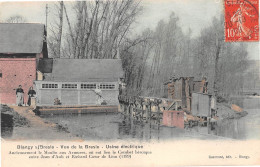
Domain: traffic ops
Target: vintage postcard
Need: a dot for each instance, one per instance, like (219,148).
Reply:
(130,83)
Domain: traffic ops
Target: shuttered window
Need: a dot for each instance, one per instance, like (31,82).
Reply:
(50,86)
(88,86)
(107,86)
(69,86)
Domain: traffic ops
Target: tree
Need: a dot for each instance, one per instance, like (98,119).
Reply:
(167,54)
(16,19)
(134,57)
(171,53)
(101,30)
(149,63)
(97,28)
(55,38)
(221,62)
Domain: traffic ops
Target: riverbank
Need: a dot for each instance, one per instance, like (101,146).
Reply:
(9,120)
(27,126)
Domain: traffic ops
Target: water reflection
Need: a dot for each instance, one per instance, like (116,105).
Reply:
(231,128)
(115,126)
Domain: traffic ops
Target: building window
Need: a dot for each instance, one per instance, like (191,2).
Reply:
(88,86)
(69,86)
(52,86)
(107,86)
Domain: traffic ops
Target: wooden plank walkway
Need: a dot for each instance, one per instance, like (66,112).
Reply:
(48,110)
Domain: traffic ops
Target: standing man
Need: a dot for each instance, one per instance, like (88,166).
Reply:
(19,96)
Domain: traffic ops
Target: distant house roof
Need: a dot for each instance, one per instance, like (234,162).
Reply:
(21,37)
(86,70)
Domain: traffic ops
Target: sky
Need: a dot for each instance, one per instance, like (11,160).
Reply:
(193,14)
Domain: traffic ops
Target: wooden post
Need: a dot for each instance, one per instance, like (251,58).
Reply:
(128,109)
(208,124)
(176,105)
(187,91)
(209,117)
(158,114)
(142,108)
(125,108)
(134,112)
(122,107)
(149,112)
(150,122)
(131,113)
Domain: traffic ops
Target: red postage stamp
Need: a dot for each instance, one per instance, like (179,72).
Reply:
(241,20)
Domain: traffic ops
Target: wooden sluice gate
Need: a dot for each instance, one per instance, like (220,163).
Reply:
(188,105)
(165,112)
(149,110)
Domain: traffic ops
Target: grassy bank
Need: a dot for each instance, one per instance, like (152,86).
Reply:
(23,124)
(9,120)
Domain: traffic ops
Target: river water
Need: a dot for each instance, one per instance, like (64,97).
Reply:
(115,126)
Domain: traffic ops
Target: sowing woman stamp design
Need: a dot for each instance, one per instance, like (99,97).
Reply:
(241,20)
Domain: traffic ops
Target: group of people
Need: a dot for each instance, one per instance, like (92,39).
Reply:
(20,95)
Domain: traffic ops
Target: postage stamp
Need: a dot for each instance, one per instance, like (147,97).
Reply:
(241,20)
